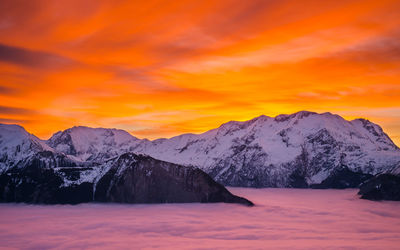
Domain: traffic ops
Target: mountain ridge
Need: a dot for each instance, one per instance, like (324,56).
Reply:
(279,117)
(281,137)
(288,150)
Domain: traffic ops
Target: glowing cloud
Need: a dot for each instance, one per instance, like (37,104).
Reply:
(163,68)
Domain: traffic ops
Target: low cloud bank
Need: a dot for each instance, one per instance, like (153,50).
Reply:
(282,218)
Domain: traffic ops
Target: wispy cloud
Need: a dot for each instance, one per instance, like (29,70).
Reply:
(13,110)
(88,62)
(31,58)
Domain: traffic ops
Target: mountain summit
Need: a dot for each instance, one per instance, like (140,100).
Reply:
(92,144)
(294,150)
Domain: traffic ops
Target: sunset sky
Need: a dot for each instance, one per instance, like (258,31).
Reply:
(162,68)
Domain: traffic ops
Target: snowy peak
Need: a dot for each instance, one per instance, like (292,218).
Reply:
(341,129)
(297,115)
(16,144)
(266,151)
(17,138)
(233,126)
(375,133)
(293,150)
(303,119)
(85,143)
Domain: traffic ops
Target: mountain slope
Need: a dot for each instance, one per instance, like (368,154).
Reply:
(92,144)
(16,144)
(285,151)
(129,178)
(381,187)
(299,150)
(33,172)
(142,179)
(385,186)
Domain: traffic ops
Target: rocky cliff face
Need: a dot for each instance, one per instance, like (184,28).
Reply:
(381,187)
(384,186)
(342,178)
(41,179)
(142,179)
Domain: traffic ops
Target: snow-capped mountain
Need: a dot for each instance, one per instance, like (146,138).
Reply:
(92,144)
(284,151)
(298,150)
(86,165)
(16,144)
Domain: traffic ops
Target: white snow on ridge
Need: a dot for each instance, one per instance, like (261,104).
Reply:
(16,144)
(272,147)
(86,143)
(281,138)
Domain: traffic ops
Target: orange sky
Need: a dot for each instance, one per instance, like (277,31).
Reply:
(161,68)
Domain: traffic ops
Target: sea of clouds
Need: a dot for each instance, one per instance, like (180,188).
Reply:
(281,219)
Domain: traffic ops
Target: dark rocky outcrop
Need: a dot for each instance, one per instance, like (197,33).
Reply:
(36,181)
(142,179)
(343,178)
(381,187)
(49,178)
(297,180)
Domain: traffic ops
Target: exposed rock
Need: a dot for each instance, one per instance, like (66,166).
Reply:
(50,178)
(343,178)
(36,180)
(142,179)
(381,187)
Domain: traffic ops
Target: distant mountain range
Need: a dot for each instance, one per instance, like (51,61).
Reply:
(33,172)
(304,149)
(295,150)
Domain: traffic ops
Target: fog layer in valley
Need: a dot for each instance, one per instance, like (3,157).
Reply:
(282,218)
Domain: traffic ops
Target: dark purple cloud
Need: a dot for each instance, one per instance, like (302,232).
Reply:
(12,110)
(7,91)
(32,58)
(13,121)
